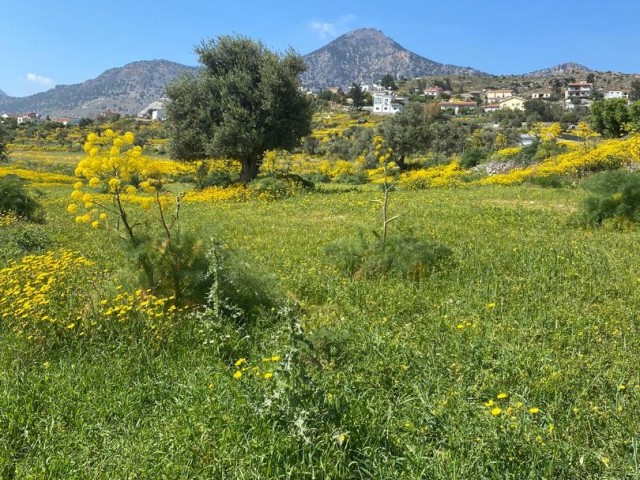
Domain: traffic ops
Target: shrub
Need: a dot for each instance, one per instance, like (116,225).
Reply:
(14,198)
(472,157)
(351,179)
(31,239)
(402,255)
(280,186)
(616,197)
(551,181)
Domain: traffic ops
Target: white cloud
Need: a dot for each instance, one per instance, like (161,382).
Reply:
(326,30)
(323,29)
(39,79)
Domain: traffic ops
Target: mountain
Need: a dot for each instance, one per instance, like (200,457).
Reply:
(364,56)
(561,70)
(2,94)
(126,90)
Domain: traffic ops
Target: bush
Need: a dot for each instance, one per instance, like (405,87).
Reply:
(351,179)
(551,181)
(472,157)
(14,198)
(31,239)
(616,196)
(317,178)
(404,255)
(279,186)
(217,178)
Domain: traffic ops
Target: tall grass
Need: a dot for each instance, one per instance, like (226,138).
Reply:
(377,377)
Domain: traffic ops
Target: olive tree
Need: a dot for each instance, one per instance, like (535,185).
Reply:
(244,101)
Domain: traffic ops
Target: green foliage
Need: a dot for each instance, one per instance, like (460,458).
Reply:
(414,131)
(357,95)
(615,197)
(235,292)
(4,154)
(403,256)
(610,117)
(14,198)
(279,186)
(351,179)
(548,149)
(551,181)
(473,156)
(30,238)
(634,94)
(388,82)
(538,110)
(176,266)
(245,101)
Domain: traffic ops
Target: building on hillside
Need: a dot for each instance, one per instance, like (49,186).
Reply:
(494,95)
(616,94)
(108,116)
(374,87)
(471,96)
(578,94)
(493,107)
(457,107)
(578,90)
(541,94)
(512,103)
(30,117)
(433,91)
(388,104)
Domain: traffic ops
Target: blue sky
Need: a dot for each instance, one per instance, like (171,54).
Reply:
(47,42)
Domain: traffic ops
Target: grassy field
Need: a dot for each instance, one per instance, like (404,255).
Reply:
(517,360)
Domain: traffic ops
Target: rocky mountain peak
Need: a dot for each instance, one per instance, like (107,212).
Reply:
(364,56)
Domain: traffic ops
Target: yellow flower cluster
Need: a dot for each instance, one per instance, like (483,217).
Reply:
(439,176)
(8,219)
(37,293)
(154,313)
(111,156)
(235,193)
(338,168)
(509,152)
(111,163)
(606,155)
(545,132)
(34,176)
(504,406)
(335,124)
(264,371)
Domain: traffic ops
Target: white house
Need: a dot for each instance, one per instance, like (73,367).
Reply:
(513,103)
(433,91)
(493,95)
(616,94)
(541,95)
(493,107)
(388,104)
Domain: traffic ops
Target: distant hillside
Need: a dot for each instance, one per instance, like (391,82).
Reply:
(562,70)
(365,56)
(2,94)
(126,90)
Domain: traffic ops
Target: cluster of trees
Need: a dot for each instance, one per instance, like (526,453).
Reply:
(615,117)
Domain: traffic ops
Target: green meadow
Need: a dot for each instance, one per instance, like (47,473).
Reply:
(517,358)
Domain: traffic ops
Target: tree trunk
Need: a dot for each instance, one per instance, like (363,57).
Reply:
(250,167)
